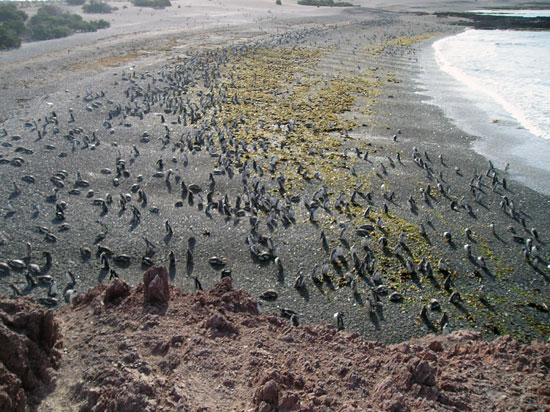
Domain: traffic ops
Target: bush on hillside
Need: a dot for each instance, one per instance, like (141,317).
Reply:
(97,7)
(51,23)
(12,26)
(8,38)
(50,10)
(12,18)
(156,4)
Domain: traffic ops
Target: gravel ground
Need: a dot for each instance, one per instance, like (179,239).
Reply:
(351,80)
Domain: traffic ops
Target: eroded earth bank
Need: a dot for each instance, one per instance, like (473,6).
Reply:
(157,348)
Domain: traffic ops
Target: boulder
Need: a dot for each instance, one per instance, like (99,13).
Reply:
(29,338)
(268,393)
(156,286)
(117,289)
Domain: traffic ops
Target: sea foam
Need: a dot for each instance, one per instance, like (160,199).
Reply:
(495,85)
(510,67)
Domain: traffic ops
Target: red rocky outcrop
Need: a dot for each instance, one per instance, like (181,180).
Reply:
(116,290)
(29,335)
(213,351)
(156,285)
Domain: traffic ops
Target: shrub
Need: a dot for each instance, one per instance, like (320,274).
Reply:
(50,10)
(45,31)
(278,2)
(9,13)
(97,7)
(8,38)
(47,23)
(99,24)
(156,4)
(12,26)
(76,2)
(17,26)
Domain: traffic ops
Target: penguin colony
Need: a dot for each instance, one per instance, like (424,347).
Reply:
(256,162)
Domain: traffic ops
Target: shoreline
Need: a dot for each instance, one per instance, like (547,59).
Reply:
(373,60)
(504,141)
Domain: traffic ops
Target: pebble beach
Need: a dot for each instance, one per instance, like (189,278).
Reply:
(289,147)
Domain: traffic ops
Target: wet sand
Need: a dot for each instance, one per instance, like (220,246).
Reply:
(346,80)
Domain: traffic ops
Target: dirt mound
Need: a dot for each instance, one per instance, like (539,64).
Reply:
(214,351)
(29,335)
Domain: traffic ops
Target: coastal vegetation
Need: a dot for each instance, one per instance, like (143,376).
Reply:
(155,4)
(325,3)
(50,22)
(97,7)
(12,26)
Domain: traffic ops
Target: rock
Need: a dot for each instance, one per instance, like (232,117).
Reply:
(423,373)
(234,300)
(290,402)
(268,393)
(117,289)
(28,337)
(49,333)
(435,346)
(12,396)
(219,326)
(265,407)
(156,286)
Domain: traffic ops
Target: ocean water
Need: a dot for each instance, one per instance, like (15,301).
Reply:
(495,84)
(511,67)
(514,13)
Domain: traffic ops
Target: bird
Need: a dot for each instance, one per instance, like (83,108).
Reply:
(443,321)
(299,282)
(169,230)
(424,314)
(197,283)
(339,316)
